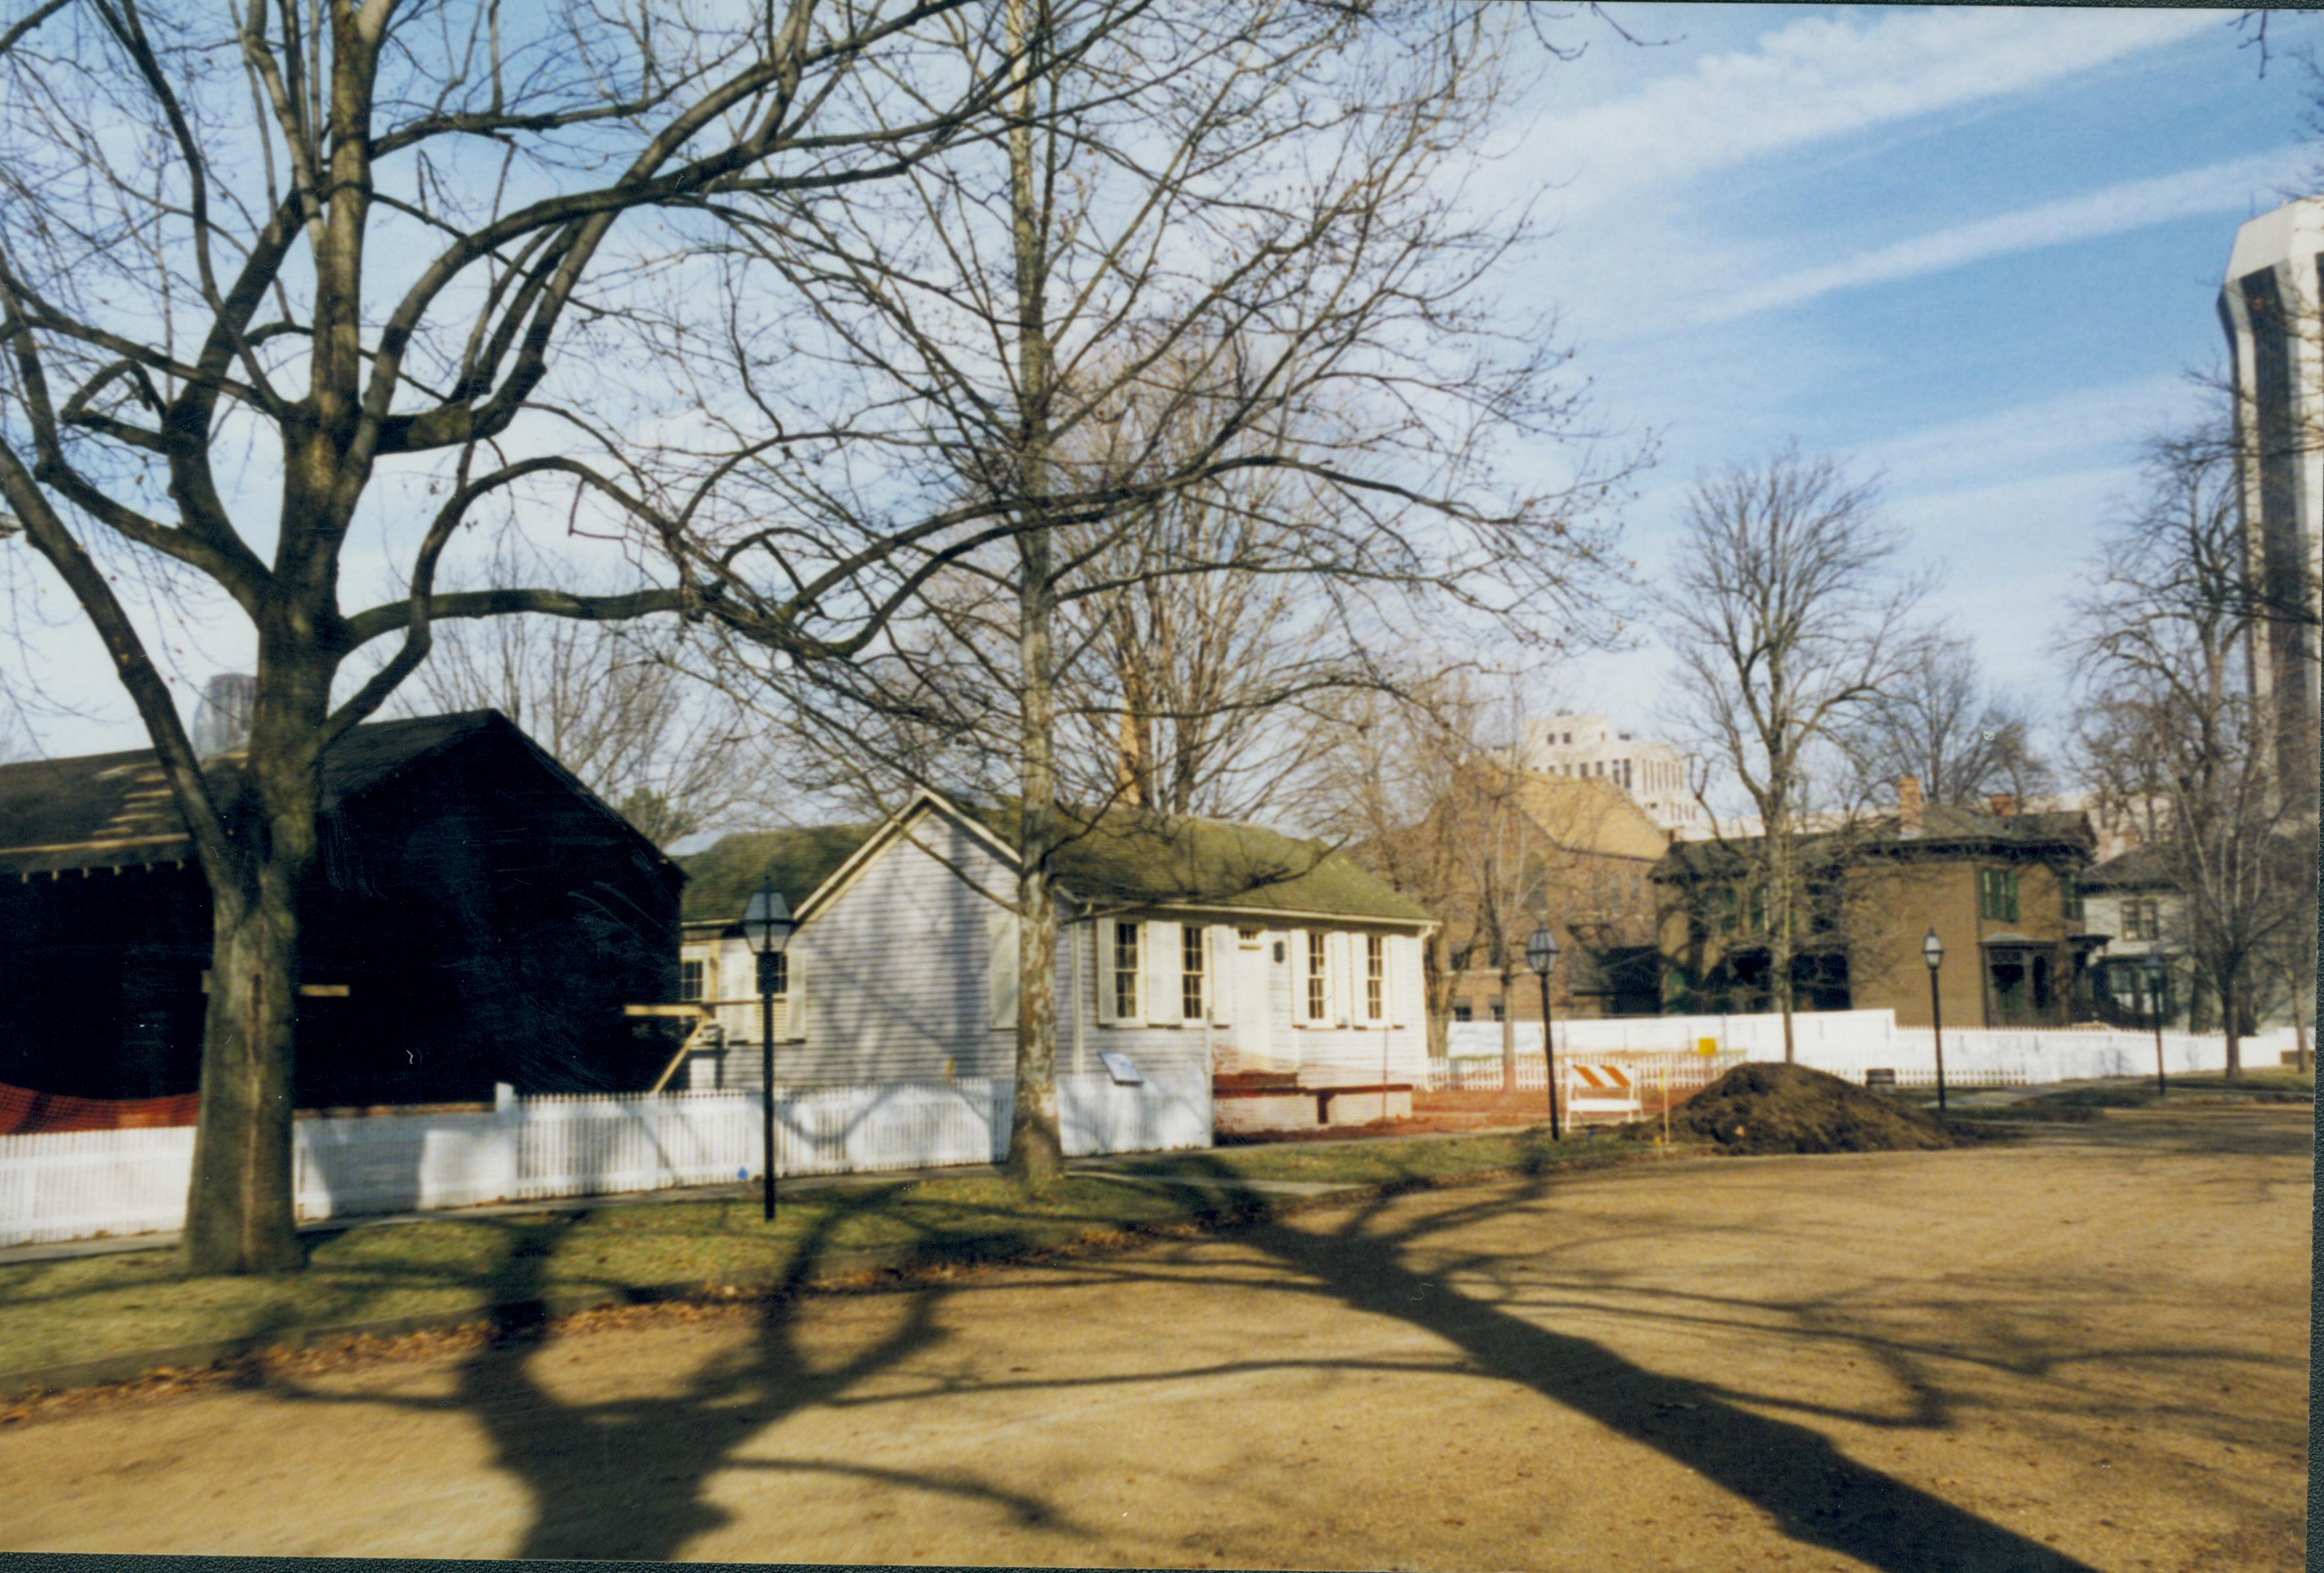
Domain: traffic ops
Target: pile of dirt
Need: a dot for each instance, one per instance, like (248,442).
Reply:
(1789,1108)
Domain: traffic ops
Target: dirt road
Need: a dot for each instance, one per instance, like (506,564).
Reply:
(2088,1350)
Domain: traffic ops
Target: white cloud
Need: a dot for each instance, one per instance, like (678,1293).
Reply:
(1826,76)
(2130,205)
(2100,425)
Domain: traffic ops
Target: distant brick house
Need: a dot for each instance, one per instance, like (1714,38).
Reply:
(2131,898)
(2000,888)
(1587,854)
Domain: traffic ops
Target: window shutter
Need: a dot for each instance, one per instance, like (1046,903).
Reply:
(1225,963)
(1164,971)
(1102,938)
(790,1006)
(1001,953)
(1341,977)
(1400,948)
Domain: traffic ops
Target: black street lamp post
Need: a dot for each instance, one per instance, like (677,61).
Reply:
(2153,964)
(1932,951)
(767,925)
(1541,953)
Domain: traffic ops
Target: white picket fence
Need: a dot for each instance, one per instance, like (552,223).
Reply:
(1848,1044)
(80,1185)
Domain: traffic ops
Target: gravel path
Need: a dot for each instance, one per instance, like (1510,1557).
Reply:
(2087,1349)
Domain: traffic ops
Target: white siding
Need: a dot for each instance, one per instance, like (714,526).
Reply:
(1354,1054)
(1322,1056)
(1173,1049)
(898,969)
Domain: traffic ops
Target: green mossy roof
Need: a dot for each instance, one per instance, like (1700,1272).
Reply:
(719,880)
(1133,859)
(1123,859)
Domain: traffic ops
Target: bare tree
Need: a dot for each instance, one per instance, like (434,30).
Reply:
(613,705)
(1789,620)
(269,271)
(1941,723)
(1251,239)
(1191,689)
(1402,779)
(2176,736)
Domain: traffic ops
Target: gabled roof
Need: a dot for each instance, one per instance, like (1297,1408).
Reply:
(1946,830)
(1590,814)
(2140,868)
(115,810)
(721,878)
(1130,859)
(1119,858)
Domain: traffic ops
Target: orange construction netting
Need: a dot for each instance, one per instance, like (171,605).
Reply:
(26,1113)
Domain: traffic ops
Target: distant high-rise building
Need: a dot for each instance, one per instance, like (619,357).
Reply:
(222,718)
(1653,774)
(2273,307)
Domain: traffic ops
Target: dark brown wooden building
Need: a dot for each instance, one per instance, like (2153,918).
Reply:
(476,916)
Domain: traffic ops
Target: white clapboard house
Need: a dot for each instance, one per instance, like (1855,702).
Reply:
(1242,977)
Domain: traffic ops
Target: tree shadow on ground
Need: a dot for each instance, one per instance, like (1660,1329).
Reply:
(627,1478)
(630,1478)
(1815,1493)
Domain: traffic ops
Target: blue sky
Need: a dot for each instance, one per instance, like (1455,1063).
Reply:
(1975,252)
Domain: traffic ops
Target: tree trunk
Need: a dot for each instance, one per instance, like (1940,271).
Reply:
(2231,1026)
(239,1205)
(1779,941)
(1440,997)
(1035,1152)
(1508,1028)
(239,1214)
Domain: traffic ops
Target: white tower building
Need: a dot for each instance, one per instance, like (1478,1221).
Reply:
(2272,309)
(1653,774)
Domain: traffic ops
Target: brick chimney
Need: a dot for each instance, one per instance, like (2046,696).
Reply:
(1908,805)
(2004,805)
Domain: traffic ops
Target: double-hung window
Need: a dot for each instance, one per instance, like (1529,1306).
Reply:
(1375,978)
(1318,979)
(693,981)
(1128,967)
(1194,975)
(1996,894)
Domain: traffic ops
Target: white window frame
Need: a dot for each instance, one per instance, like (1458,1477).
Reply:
(1375,980)
(1193,945)
(1112,972)
(1314,978)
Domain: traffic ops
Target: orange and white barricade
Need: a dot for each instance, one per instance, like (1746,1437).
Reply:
(1592,1089)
